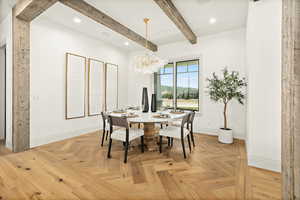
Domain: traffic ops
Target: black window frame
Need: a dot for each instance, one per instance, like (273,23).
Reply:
(175,75)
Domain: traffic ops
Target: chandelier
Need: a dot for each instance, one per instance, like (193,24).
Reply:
(148,62)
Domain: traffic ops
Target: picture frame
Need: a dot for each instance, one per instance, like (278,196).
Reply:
(75,86)
(96,86)
(111,86)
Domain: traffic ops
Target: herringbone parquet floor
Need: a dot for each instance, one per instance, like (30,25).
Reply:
(77,168)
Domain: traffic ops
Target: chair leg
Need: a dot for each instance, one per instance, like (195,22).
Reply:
(107,132)
(160,144)
(169,141)
(161,126)
(126,152)
(142,144)
(183,149)
(172,139)
(192,136)
(109,148)
(139,125)
(102,139)
(130,125)
(189,141)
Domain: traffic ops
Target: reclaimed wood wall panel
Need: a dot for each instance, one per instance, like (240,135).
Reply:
(21,84)
(296,154)
(297,24)
(291,100)
(296,145)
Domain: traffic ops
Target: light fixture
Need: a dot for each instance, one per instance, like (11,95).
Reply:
(76,20)
(212,20)
(126,43)
(147,62)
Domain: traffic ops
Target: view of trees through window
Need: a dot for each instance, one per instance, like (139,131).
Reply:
(186,76)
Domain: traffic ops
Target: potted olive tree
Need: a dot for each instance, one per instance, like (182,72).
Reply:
(224,89)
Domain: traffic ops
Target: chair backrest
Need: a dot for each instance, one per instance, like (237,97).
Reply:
(192,117)
(104,117)
(118,121)
(185,120)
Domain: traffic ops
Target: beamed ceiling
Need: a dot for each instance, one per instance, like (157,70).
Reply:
(230,14)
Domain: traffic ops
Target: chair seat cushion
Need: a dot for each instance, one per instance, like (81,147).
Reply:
(120,134)
(173,132)
(176,123)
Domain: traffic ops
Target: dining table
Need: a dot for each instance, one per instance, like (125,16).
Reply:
(149,119)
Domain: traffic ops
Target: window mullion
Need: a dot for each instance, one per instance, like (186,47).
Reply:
(175,85)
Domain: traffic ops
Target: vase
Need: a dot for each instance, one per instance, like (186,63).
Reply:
(145,103)
(153,103)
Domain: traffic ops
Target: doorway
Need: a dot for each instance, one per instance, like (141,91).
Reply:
(2,96)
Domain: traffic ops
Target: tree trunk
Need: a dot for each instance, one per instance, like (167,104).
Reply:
(225,116)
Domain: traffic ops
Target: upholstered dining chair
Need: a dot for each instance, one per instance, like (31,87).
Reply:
(105,128)
(175,132)
(123,134)
(190,126)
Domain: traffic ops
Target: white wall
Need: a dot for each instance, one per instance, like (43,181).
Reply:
(264,74)
(2,93)
(6,39)
(49,43)
(215,52)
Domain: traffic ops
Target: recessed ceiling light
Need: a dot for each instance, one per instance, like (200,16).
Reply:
(126,43)
(76,20)
(212,20)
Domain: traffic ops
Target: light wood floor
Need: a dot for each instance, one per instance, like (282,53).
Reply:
(78,169)
(3,150)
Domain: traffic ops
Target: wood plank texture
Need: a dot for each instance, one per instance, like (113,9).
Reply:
(3,149)
(21,84)
(172,12)
(291,100)
(77,168)
(100,17)
(297,24)
(28,10)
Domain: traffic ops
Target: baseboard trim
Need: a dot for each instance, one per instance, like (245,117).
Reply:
(8,145)
(214,133)
(39,141)
(264,163)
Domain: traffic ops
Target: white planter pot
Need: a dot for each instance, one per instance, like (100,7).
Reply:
(225,136)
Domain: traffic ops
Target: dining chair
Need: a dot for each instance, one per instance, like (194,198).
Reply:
(105,128)
(190,126)
(175,132)
(123,134)
(177,122)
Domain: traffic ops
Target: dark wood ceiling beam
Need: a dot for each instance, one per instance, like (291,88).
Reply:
(100,17)
(171,11)
(28,10)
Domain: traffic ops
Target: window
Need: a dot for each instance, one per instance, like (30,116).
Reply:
(187,85)
(186,90)
(164,81)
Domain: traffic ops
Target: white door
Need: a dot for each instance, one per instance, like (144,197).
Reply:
(2,93)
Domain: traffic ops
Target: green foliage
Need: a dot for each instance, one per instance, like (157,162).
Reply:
(167,96)
(226,88)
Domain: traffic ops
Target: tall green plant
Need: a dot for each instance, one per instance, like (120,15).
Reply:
(226,88)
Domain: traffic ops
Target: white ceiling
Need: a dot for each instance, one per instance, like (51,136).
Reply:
(5,7)
(230,14)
